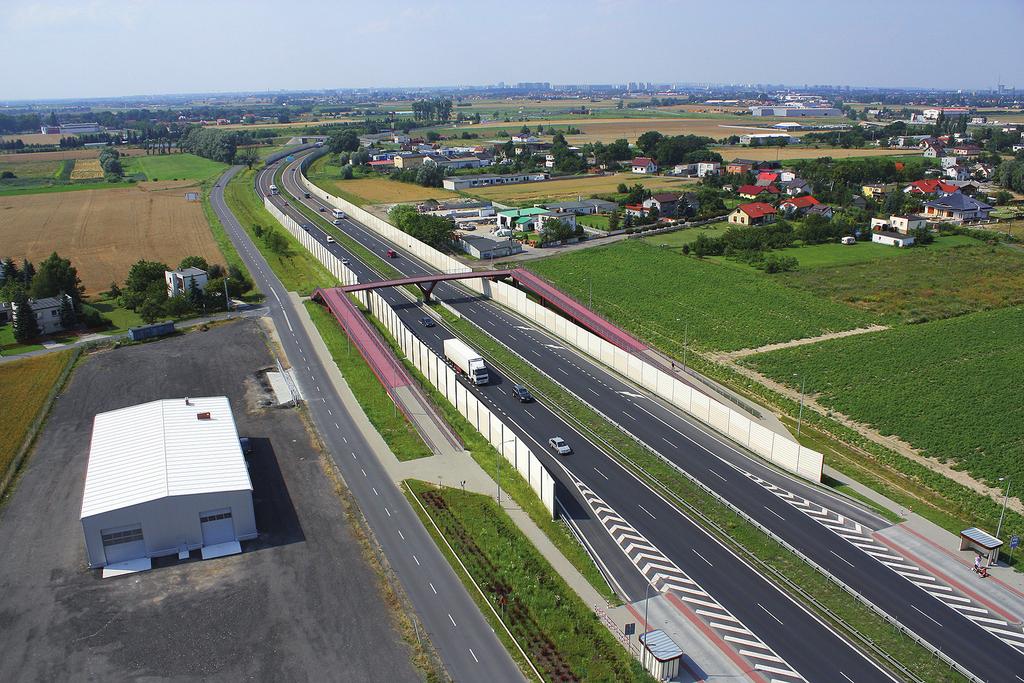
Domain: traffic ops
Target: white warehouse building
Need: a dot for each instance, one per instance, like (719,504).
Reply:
(165,478)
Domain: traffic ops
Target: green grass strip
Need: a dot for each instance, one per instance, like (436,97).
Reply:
(401,437)
(563,638)
(298,270)
(805,583)
(227,248)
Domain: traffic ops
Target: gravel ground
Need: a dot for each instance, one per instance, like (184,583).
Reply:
(300,603)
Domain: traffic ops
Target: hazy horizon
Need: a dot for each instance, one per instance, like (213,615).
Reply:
(113,48)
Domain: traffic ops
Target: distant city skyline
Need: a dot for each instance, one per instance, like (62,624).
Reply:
(66,49)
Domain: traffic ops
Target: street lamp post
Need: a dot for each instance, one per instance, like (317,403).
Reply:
(800,415)
(1006,495)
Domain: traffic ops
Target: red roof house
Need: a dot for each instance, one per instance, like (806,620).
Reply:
(754,213)
(929,186)
(798,204)
(755,191)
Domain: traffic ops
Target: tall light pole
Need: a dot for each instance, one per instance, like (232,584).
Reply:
(800,415)
(1006,495)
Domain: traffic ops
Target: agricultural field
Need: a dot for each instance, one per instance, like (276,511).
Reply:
(27,166)
(675,240)
(723,308)
(87,169)
(611,129)
(921,283)
(24,386)
(792,152)
(560,634)
(173,167)
(365,191)
(949,387)
(105,231)
(87,153)
(36,138)
(555,190)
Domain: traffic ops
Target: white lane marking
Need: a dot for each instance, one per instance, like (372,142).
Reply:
(453,621)
(375,490)
(344,439)
(363,471)
(417,560)
(717,474)
(841,558)
(336,426)
(432,587)
(702,557)
(593,392)
(770,614)
(529,413)
(774,512)
(563,372)
(474,655)
(329,412)
(387,511)
(628,415)
(925,615)
(646,510)
(852,681)
(401,534)
(601,473)
(669,442)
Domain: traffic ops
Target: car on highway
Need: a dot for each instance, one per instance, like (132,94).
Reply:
(522,393)
(427,321)
(392,253)
(322,209)
(558,445)
(307,228)
(306,195)
(336,221)
(330,239)
(344,261)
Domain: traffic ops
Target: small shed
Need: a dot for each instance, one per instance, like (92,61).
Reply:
(661,656)
(981,542)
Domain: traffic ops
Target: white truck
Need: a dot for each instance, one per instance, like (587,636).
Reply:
(273,189)
(338,213)
(466,360)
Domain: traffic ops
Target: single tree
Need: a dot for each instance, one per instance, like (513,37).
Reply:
(68,318)
(113,291)
(613,220)
(56,275)
(248,156)
(9,271)
(25,326)
(194,262)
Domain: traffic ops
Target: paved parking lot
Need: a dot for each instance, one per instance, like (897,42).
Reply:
(299,604)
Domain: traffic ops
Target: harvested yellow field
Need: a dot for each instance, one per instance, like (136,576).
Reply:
(24,386)
(576,187)
(631,129)
(89,153)
(104,232)
(804,152)
(37,138)
(86,169)
(386,191)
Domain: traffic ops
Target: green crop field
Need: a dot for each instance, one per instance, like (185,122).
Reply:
(24,386)
(173,167)
(950,387)
(658,293)
(921,283)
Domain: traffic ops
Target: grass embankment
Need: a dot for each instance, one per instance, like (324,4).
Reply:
(562,637)
(396,430)
(298,270)
(24,387)
(793,573)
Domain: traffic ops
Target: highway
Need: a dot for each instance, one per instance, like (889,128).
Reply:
(794,635)
(720,466)
(462,637)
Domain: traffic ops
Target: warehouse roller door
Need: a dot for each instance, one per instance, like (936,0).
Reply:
(218,527)
(123,544)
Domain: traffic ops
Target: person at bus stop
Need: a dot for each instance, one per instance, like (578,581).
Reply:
(977,564)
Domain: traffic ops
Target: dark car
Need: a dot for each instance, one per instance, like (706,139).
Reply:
(322,209)
(522,393)
(427,321)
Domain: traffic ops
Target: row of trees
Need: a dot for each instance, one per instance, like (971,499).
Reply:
(436,231)
(676,149)
(436,109)
(110,162)
(1010,174)
(218,145)
(427,175)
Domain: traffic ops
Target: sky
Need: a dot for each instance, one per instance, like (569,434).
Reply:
(101,48)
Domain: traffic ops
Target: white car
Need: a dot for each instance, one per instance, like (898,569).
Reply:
(330,239)
(558,445)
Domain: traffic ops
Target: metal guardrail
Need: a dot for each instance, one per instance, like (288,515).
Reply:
(873,650)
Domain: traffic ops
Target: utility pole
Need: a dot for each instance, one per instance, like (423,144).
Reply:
(686,342)
(800,417)
(1006,495)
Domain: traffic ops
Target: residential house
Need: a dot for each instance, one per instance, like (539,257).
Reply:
(947,161)
(934,149)
(929,186)
(47,312)
(636,210)
(894,239)
(903,225)
(875,191)
(858,201)
(705,168)
(583,207)
(765,178)
(956,208)
(738,167)
(382,164)
(521,219)
(754,213)
(565,217)
(6,309)
(644,165)
(768,138)
(968,150)
(957,172)
(758,191)
(986,171)
(400,138)
(409,160)
(184,281)
(526,139)
(798,205)
(823,210)
(795,186)
(665,202)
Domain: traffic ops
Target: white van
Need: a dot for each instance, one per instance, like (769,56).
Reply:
(502,232)
(338,213)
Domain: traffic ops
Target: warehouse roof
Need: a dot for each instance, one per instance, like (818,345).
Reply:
(173,447)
